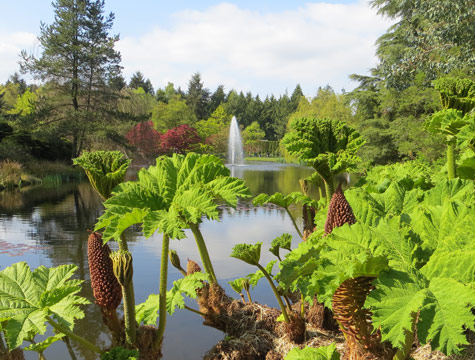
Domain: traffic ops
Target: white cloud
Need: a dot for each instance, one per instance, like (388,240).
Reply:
(11,44)
(314,45)
(262,52)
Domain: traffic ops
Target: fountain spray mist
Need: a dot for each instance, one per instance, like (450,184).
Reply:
(235,148)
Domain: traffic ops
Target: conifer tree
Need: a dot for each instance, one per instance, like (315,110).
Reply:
(77,61)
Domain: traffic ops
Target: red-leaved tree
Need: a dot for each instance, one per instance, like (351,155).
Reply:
(180,140)
(145,138)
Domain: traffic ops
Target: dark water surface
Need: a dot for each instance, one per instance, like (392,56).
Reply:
(48,226)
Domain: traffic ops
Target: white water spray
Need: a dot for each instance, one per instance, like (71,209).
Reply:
(235,149)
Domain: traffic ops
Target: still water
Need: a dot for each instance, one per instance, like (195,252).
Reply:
(48,226)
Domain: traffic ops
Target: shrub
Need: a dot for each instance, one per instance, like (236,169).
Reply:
(10,173)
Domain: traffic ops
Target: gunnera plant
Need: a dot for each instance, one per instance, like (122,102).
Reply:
(339,211)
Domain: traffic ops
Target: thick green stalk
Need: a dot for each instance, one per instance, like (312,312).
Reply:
(60,328)
(123,271)
(129,314)
(248,295)
(276,293)
(293,222)
(329,189)
(162,310)
(129,301)
(451,160)
(205,259)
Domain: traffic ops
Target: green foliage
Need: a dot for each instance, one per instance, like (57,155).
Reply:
(76,60)
(283,200)
(168,197)
(43,345)
(28,299)
(282,242)
(186,286)
(119,353)
(447,122)
(456,93)
(417,245)
(329,146)
(255,277)
(104,169)
(322,353)
(410,174)
(147,312)
(248,253)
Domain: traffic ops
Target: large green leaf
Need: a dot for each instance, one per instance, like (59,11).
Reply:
(322,353)
(283,241)
(329,146)
(248,253)
(147,312)
(445,315)
(28,298)
(394,304)
(105,170)
(186,286)
(177,191)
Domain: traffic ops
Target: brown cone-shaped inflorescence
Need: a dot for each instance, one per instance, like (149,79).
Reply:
(355,321)
(339,212)
(192,267)
(104,284)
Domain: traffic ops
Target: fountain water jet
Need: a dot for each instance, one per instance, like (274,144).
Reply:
(235,149)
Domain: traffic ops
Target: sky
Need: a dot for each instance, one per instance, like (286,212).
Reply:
(262,46)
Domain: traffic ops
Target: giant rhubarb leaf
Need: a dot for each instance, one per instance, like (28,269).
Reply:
(28,299)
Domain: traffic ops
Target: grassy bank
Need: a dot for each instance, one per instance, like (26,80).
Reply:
(13,174)
(265,159)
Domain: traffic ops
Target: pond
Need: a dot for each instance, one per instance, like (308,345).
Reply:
(48,226)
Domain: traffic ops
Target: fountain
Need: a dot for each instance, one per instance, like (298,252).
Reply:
(235,149)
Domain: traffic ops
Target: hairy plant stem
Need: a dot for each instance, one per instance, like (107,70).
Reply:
(162,310)
(70,348)
(287,301)
(329,189)
(293,222)
(205,259)
(248,295)
(302,307)
(128,297)
(195,311)
(60,328)
(276,293)
(451,160)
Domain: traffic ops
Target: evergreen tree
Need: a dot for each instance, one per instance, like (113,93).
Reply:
(216,99)
(138,81)
(77,61)
(197,97)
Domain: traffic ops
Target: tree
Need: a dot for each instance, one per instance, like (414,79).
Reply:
(216,99)
(172,114)
(138,81)
(179,140)
(252,135)
(197,97)
(77,61)
(145,138)
(431,36)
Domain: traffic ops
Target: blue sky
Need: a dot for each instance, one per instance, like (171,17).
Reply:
(264,46)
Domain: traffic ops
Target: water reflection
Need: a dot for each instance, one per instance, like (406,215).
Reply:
(48,226)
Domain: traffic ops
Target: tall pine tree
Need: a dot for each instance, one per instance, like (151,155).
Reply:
(77,62)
